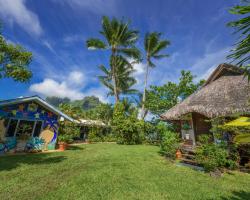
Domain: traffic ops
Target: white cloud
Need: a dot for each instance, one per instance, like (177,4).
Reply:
(204,65)
(73,38)
(139,73)
(16,11)
(50,87)
(49,46)
(95,6)
(139,68)
(76,78)
(208,72)
(71,87)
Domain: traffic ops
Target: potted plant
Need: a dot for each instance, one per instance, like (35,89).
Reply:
(186,127)
(63,141)
(178,154)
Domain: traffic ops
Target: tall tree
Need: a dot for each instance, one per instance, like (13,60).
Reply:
(14,61)
(124,78)
(162,98)
(153,46)
(241,52)
(120,40)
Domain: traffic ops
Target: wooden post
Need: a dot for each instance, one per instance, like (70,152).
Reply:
(16,127)
(33,130)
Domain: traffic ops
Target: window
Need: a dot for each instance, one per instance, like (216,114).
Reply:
(24,129)
(12,127)
(38,129)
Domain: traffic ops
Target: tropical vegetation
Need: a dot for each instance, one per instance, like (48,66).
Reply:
(241,52)
(120,41)
(14,61)
(153,46)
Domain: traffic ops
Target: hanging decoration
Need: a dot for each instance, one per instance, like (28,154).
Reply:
(21,107)
(37,115)
(14,112)
(32,107)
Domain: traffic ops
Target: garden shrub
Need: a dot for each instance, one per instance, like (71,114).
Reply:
(147,132)
(65,138)
(126,128)
(100,134)
(68,130)
(161,128)
(93,136)
(169,143)
(109,138)
(215,156)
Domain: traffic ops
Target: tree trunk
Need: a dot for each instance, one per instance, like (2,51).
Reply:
(117,99)
(143,111)
(113,69)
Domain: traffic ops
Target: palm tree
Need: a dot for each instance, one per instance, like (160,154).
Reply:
(153,45)
(124,79)
(120,40)
(129,105)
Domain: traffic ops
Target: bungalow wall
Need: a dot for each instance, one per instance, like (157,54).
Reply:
(37,122)
(201,125)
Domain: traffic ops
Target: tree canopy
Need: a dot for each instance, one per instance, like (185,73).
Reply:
(120,40)
(241,52)
(14,61)
(124,78)
(162,98)
(153,45)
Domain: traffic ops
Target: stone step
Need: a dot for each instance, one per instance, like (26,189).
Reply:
(189,161)
(190,156)
(188,150)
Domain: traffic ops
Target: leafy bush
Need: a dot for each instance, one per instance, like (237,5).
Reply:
(109,138)
(186,126)
(92,137)
(69,128)
(127,129)
(147,132)
(100,134)
(67,131)
(161,128)
(169,143)
(64,138)
(215,156)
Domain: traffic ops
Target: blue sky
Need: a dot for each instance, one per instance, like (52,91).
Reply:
(55,32)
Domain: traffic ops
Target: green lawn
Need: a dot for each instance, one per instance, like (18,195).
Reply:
(110,171)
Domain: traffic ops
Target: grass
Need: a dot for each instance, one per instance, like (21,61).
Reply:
(110,171)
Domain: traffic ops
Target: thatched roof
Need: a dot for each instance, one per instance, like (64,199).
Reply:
(225,92)
(89,122)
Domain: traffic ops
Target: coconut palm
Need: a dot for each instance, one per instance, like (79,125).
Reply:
(120,40)
(153,46)
(129,105)
(124,79)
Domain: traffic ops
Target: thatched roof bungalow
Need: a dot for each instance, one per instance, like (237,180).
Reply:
(225,92)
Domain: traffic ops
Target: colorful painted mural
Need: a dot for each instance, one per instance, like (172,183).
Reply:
(19,123)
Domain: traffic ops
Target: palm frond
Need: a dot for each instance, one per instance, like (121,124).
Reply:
(150,41)
(159,47)
(132,52)
(94,43)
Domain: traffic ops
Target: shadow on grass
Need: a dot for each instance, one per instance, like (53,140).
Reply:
(75,147)
(238,195)
(12,162)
